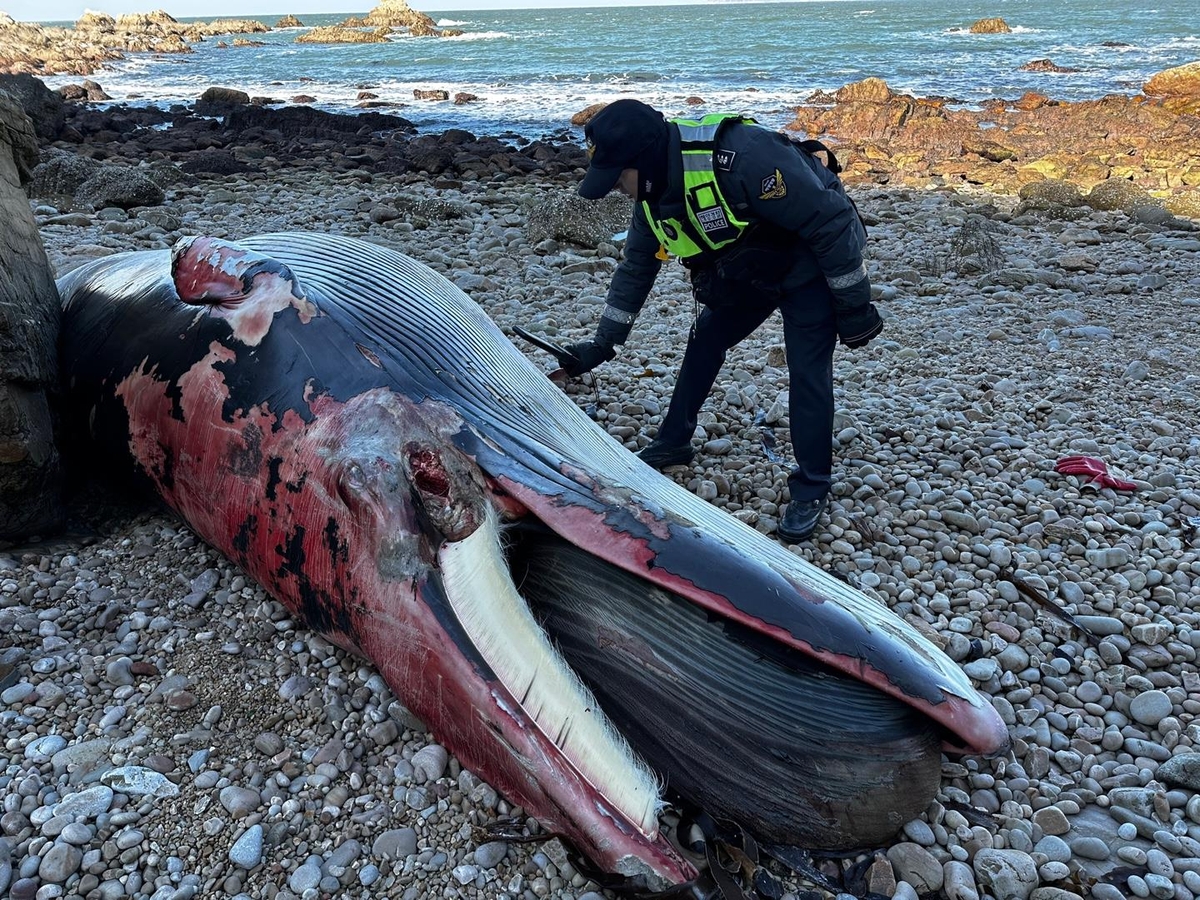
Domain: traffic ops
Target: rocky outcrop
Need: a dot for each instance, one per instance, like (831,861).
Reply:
(303,121)
(119,186)
(98,38)
(1047,66)
(586,114)
(219,101)
(60,174)
(43,106)
(289,21)
(1180,81)
(990,26)
(891,138)
(29,49)
(398,14)
(340,34)
(431,94)
(89,91)
(30,477)
(234,26)
(1178,87)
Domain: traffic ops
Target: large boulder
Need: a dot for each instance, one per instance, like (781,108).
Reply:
(1179,81)
(44,107)
(338,34)
(220,101)
(990,26)
(1178,87)
(60,174)
(869,90)
(398,14)
(120,186)
(30,474)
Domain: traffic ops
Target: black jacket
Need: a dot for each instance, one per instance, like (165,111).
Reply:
(783,192)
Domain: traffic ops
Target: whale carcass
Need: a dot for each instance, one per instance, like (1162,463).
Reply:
(594,640)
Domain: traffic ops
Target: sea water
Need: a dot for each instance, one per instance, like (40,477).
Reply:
(533,68)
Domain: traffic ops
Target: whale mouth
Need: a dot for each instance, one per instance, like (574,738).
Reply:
(724,720)
(503,630)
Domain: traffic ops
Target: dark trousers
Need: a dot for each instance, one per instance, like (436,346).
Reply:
(809,336)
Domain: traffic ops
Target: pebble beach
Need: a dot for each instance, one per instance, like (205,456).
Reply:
(170,731)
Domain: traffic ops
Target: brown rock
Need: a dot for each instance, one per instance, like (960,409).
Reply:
(1118,193)
(1186,203)
(990,26)
(30,476)
(1032,100)
(289,21)
(339,34)
(435,94)
(988,149)
(232,26)
(304,98)
(398,14)
(463,97)
(880,878)
(694,101)
(1050,193)
(920,141)
(585,115)
(246,42)
(869,90)
(1180,81)
(366,95)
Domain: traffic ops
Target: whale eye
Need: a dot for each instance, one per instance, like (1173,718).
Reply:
(350,484)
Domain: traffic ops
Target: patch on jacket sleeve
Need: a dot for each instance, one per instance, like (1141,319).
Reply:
(723,159)
(773,187)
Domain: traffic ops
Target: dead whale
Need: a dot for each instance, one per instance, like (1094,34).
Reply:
(589,637)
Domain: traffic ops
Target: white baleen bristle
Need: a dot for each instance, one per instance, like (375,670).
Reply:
(503,630)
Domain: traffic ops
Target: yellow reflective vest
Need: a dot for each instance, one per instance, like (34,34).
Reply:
(710,223)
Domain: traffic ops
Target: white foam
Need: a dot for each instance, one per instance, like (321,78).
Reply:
(477,36)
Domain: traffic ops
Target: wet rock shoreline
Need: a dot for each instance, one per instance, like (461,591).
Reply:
(170,731)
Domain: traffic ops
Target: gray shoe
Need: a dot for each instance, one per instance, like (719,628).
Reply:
(800,519)
(659,454)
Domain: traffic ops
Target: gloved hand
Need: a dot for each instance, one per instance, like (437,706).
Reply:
(1095,469)
(857,327)
(585,356)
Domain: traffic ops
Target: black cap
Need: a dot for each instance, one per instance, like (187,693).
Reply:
(616,137)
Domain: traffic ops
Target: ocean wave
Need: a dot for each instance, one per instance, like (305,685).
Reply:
(966,29)
(450,23)
(478,36)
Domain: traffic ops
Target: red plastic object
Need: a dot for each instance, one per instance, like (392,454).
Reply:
(1095,469)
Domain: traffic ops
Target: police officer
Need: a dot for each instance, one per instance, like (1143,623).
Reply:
(761,224)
